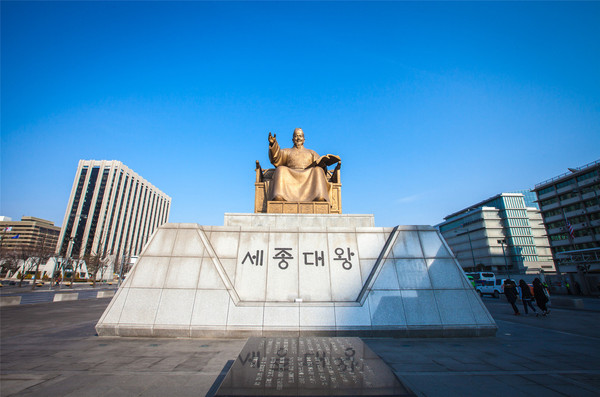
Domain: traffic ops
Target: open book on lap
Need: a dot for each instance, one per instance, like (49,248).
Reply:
(325,161)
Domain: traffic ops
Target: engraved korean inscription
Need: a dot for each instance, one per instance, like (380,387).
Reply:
(309,366)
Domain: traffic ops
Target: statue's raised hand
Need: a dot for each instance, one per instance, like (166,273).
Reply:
(272,138)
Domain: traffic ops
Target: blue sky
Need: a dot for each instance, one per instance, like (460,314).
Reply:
(431,106)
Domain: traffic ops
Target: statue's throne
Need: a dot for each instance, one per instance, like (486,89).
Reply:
(263,205)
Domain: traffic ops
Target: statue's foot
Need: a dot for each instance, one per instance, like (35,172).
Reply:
(320,199)
(278,198)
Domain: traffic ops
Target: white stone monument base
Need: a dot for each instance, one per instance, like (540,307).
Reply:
(252,279)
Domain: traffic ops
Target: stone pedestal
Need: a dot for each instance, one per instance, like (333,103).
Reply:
(281,221)
(309,207)
(271,276)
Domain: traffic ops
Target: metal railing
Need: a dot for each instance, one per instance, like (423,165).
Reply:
(586,256)
(568,173)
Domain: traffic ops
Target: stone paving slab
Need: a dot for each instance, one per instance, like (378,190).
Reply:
(556,355)
(51,349)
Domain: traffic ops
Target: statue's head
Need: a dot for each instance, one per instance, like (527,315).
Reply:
(298,137)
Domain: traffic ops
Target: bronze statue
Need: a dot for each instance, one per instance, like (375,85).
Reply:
(300,172)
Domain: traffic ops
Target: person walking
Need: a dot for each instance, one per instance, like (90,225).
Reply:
(541,296)
(577,287)
(510,291)
(526,297)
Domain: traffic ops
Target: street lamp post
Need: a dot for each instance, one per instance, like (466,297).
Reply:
(53,272)
(471,246)
(121,272)
(69,259)
(468,233)
(502,242)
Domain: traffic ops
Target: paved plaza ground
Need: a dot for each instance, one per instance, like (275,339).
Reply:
(51,349)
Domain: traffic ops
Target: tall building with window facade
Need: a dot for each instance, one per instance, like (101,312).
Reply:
(570,205)
(504,234)
(111,210)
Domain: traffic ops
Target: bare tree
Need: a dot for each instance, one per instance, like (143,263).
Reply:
(13,258)
(24,255)
(125,265)
(55,270)
(75,264)
(9,263)
(94,262)
(42,252)
(5,254)
(105,266)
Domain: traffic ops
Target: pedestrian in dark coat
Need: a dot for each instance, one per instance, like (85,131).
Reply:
(526,297)
(510,291)
(541,296)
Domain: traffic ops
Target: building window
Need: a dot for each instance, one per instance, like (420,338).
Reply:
(550,213)
(581,233)
(565,183)
(518,222)
(591,203)
(587,175)
(558,237)
(556,224)
(572,207)
(584,246)
(544,203)
(577,219)
(591,188)
(567,196)
(516,213)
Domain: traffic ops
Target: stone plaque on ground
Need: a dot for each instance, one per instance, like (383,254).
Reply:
(310,366)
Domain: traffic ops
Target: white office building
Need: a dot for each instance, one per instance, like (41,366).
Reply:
(504,234)
(112,210)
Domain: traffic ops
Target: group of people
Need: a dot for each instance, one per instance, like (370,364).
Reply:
(540,295)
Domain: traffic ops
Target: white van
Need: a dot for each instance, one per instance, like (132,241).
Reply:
(486,283)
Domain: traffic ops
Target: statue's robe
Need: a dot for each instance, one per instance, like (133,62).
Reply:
(296,178)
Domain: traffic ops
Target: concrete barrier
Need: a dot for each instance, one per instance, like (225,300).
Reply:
(66,297)
(567,302)
(106,294)
(10,301)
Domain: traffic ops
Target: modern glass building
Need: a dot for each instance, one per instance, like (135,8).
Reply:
(504,234)
(111,210)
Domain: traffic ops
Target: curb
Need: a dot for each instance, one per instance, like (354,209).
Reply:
(51,296)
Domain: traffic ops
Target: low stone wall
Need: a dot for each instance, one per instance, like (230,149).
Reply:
(10,301)
(28,298)
(66,297)
(106,294)
(566,302)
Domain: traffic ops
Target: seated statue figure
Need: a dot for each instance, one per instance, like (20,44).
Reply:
(300,172)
